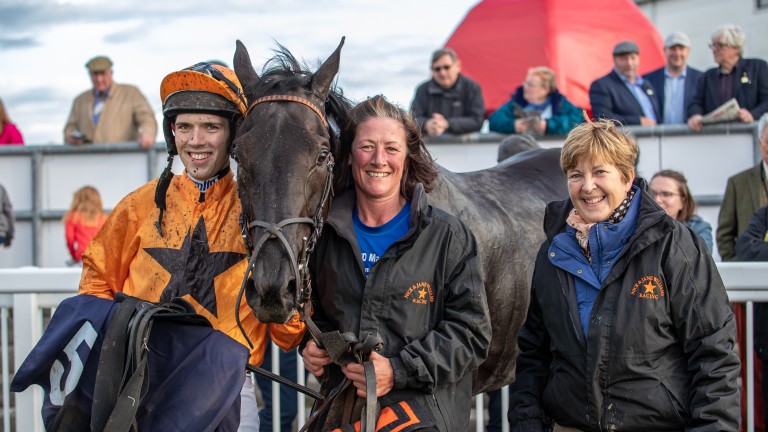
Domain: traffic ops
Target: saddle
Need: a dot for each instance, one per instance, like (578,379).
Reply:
(121,378)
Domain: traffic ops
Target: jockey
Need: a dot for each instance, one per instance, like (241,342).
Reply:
(179,235)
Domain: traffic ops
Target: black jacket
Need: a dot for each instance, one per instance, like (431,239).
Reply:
(434,340)
(462,105)
(659,351)
(752,245)
(750,88)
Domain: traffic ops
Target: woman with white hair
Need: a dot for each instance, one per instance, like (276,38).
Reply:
(737,77)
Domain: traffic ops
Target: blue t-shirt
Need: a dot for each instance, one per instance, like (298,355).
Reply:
(374,241)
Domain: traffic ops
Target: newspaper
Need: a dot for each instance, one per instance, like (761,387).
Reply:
(726,112)
(531,116)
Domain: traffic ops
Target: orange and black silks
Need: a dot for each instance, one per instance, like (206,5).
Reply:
(201,258)
(404,416)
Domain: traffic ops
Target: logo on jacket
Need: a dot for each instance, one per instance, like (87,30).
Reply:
(420,293)
(649,287)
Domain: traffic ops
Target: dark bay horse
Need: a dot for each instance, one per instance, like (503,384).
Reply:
(283,148)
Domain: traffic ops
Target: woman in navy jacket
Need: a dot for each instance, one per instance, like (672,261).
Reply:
(629,326)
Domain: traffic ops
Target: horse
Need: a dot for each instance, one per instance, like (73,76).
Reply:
(283,148)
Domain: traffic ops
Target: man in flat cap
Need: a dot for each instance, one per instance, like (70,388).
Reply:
(109,112)
(623,95)
(675,83)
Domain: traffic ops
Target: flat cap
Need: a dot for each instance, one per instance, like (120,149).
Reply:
(677,38)
(626,47)
(98,64)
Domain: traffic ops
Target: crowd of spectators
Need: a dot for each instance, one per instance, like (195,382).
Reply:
(673,94)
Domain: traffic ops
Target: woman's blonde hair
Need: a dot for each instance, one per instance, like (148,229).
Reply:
(547,75)
(4,117)
(600,140)
(86,206)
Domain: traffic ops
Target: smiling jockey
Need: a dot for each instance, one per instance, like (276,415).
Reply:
(179,235)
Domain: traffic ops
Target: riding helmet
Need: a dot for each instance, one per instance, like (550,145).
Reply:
(202,88)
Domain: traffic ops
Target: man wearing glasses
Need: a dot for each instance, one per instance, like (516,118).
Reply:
(745,80)
(449,102)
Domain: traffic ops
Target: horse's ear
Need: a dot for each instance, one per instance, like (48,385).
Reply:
(244,70)
(322,79)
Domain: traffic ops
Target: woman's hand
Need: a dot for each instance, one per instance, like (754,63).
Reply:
(315,359)
(385,375)
(521,125)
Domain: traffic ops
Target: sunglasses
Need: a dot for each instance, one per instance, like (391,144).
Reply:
(439,68)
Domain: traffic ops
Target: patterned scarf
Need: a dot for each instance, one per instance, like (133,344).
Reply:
(582,227)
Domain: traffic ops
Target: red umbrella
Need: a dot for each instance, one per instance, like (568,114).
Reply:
(499,40)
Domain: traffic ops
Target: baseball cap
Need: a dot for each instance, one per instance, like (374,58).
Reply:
(677,38)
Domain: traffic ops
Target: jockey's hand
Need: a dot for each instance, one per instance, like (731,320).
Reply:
(315,358)
(385,376)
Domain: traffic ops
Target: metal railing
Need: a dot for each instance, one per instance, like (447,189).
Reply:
(41,179)
(26,293)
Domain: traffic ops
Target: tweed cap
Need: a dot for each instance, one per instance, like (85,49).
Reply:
(626,47)
(99,64)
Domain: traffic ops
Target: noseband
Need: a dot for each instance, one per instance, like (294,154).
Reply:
(275,230)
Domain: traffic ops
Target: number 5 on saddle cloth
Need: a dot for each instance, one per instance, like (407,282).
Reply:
(130,364)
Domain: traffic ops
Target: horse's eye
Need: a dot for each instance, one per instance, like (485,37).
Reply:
(323,157)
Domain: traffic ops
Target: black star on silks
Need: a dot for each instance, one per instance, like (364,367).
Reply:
(193,268)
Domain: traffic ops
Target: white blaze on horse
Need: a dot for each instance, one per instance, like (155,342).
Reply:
(285,150)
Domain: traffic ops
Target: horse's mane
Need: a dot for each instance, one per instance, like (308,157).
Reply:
(283,74)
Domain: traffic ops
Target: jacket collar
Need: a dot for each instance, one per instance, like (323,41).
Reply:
(434,87)
(648,214)
(340,214)
(215,192)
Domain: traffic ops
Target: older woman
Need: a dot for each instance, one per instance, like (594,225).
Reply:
(746,80)
(391,265)
(536,107)
(629,326)
(670,190)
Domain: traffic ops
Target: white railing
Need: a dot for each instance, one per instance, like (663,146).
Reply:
(28,292)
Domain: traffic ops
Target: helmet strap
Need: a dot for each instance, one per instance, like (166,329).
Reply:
(160,191)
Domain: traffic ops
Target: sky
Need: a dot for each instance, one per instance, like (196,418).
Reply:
(44,45)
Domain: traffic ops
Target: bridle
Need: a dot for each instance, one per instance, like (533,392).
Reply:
(341,348)
(275,230)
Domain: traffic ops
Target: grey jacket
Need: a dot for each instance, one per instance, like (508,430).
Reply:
(6,216)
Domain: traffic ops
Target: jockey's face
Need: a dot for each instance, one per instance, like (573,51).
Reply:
(202,142)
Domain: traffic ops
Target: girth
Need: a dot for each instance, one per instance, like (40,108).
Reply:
(345,348)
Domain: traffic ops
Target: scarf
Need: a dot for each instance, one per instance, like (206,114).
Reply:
(582,227)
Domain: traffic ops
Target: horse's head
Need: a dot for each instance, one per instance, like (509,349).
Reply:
(285,161)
